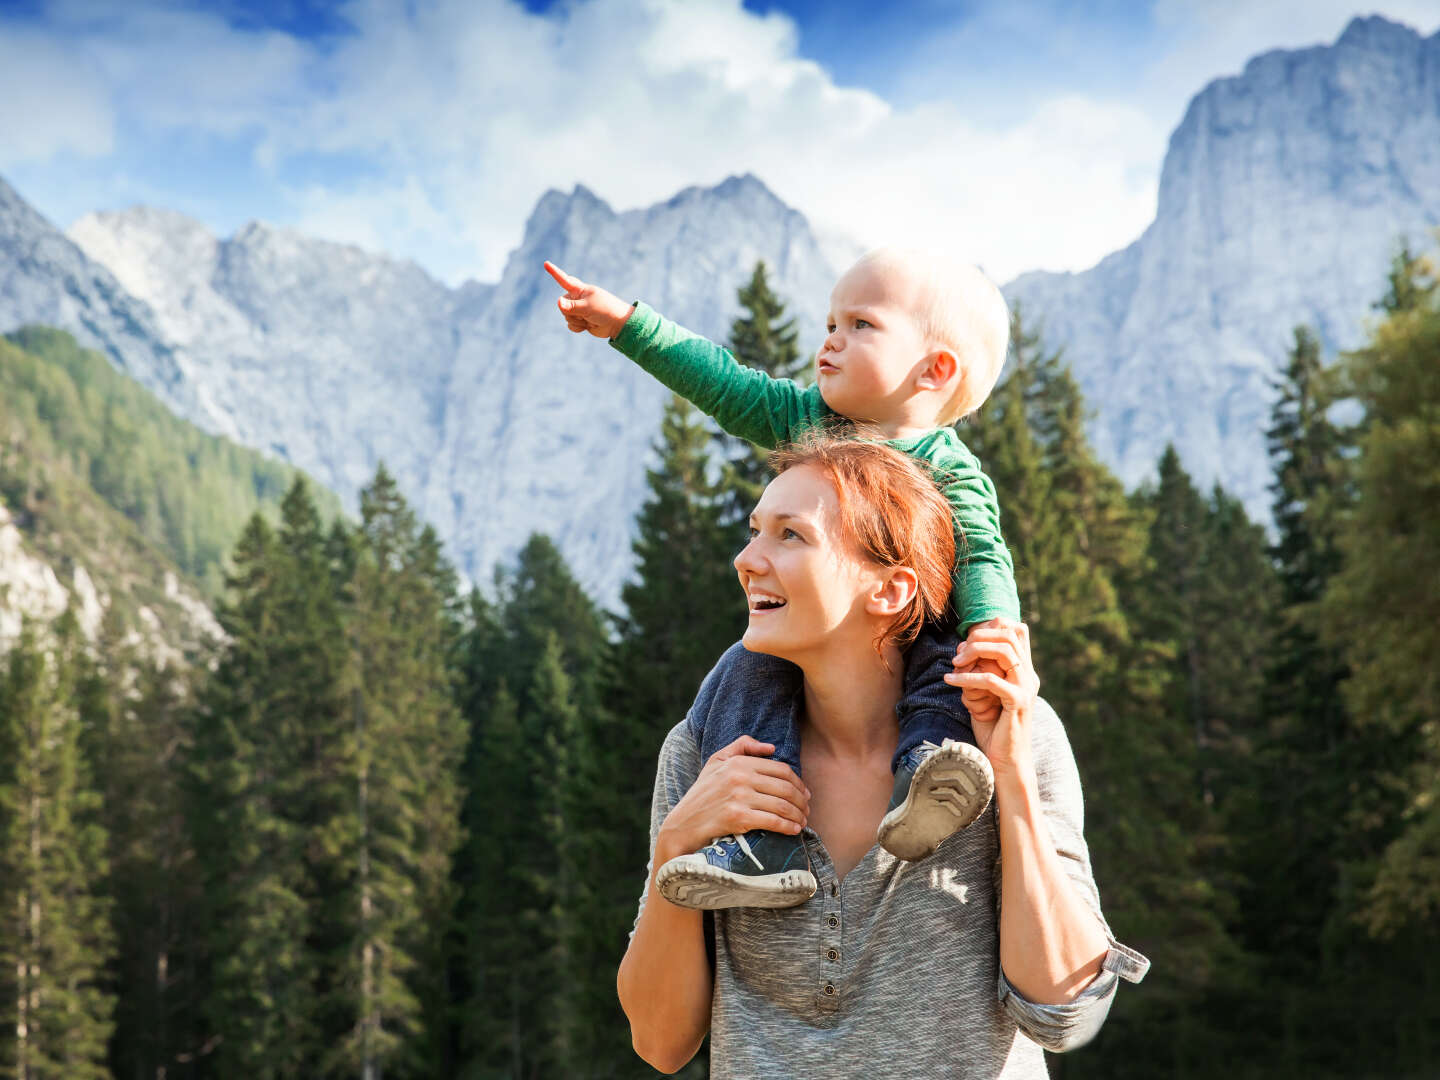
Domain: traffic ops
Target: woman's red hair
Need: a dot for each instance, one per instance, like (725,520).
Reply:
(890,506)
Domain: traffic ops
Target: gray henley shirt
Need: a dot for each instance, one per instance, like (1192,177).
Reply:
(895,971)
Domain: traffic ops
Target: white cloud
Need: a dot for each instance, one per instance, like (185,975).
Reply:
(456,115)
(53,102)
(637,98)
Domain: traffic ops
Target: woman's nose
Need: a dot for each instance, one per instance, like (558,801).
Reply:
(749,560)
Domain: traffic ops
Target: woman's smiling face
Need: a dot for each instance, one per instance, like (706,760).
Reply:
(804,579)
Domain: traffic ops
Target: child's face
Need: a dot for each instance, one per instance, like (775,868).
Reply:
(875,345)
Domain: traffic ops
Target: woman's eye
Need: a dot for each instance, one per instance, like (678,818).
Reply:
(789,533)
(754,532)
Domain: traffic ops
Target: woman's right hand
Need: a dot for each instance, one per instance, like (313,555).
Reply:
(739,789)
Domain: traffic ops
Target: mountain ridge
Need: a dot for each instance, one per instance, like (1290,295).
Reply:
(1281,195)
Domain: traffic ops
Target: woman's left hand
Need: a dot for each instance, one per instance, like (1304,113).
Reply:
(1004,740)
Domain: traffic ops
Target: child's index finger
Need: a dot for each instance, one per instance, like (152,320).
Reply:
(566,282)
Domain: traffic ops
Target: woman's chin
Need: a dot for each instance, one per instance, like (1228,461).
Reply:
(756,639)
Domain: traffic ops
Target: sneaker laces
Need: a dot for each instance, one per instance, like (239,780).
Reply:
(717,845)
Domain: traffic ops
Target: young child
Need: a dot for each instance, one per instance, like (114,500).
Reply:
(915,342)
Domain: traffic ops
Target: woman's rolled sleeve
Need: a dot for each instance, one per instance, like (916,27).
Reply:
(1061,1027)
(1064,1027)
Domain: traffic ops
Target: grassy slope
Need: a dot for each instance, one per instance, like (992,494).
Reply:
(99,473)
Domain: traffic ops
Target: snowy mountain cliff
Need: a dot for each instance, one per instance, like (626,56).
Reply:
(1283,193)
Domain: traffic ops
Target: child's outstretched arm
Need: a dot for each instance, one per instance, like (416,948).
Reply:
(744,402)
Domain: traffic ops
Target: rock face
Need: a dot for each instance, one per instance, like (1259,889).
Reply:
(33,594)
(319,353)
(45,278)
(29,587)
(1283,195)
(495,420)
(544,429)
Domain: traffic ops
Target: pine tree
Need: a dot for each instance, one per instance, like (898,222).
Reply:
(1383,606)
(1177,551)
(1409,283)
(408,744)
(566,891)
(309,666)
(762,338)
(55,937)
(684,606)
(540,595)
(245,776)
(1288,822)
(500,919)
(540,764)
(134,716)
(479,687)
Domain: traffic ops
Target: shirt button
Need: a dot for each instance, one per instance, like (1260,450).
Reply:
(833,954)
(829,989)
(833,921)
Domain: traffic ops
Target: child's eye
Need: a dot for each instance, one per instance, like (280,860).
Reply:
(861,324)
(830,328)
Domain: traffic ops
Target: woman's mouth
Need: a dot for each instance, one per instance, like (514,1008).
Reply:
(761,602)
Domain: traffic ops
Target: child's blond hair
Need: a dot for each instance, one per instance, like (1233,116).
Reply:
(959,309)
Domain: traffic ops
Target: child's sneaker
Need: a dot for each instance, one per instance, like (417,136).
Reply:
(938,791)
(759,869)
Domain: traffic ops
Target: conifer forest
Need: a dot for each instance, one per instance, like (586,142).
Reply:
(393,827)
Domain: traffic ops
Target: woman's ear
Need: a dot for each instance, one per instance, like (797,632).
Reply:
(893,592)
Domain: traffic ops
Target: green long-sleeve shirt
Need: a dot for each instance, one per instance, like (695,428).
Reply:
(770,412)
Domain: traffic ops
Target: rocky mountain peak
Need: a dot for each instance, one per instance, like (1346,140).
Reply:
(1283,194)
(556,208)
(1375,33)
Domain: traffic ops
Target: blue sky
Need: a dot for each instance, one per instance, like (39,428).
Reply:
(1027,133)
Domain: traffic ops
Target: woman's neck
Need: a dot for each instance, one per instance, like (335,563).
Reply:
(850,701)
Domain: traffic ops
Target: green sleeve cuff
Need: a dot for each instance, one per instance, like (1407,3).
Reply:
(638,329)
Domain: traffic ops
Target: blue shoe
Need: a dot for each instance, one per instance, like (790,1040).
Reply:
(760,869)
(938,791)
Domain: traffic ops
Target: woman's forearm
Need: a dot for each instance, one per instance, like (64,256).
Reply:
(1051,945)
(665,981)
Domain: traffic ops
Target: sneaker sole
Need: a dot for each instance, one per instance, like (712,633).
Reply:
(700,886)
(950,790)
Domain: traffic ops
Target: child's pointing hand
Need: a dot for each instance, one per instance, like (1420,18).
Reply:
(589,308)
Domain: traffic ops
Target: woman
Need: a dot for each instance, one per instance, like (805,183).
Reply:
(891,968)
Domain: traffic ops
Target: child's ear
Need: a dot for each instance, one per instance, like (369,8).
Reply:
(939,369)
